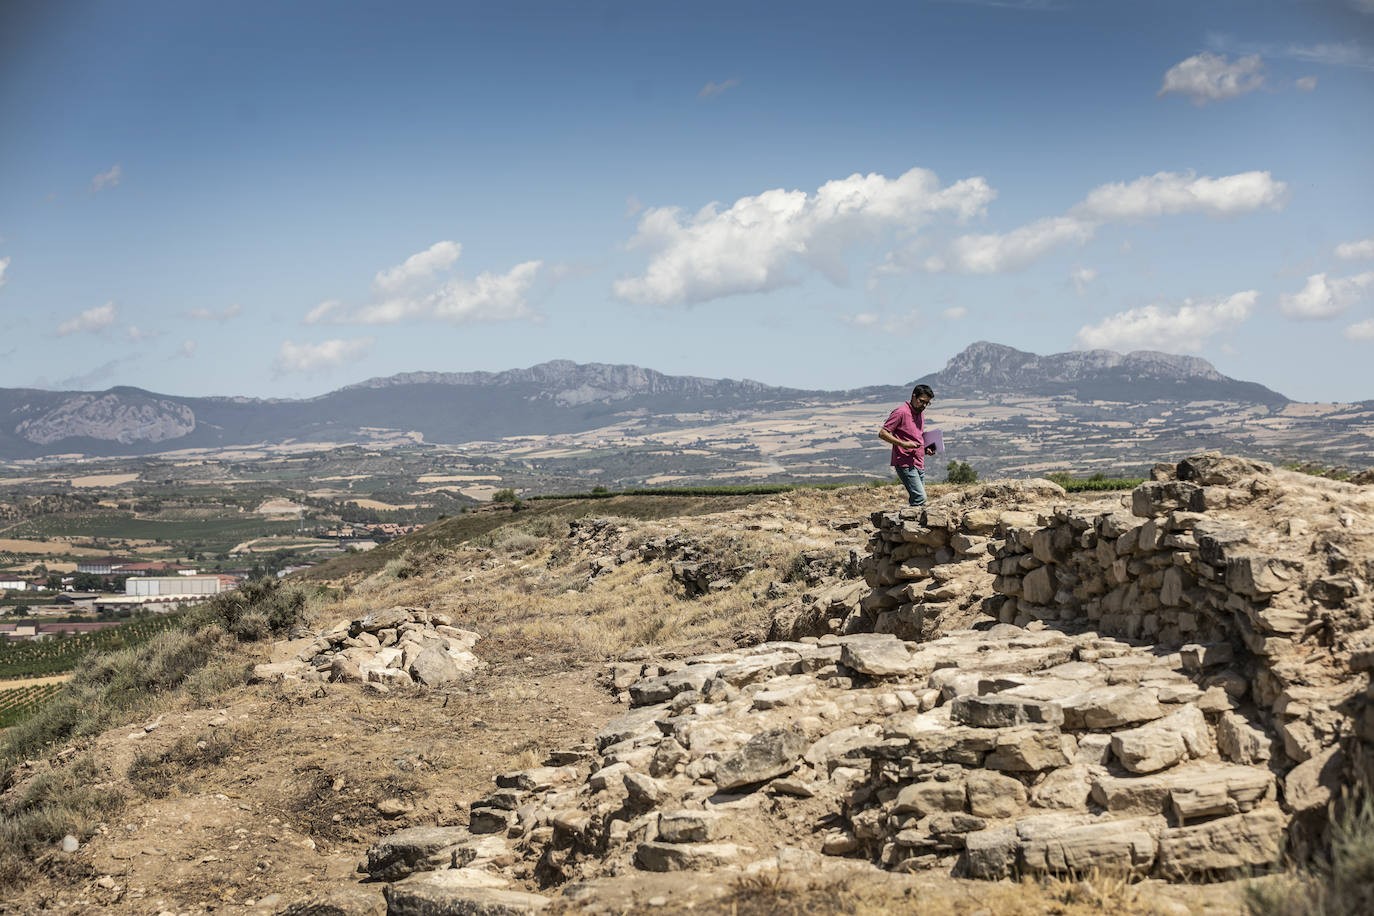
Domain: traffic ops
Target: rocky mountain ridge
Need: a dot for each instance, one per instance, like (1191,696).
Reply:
(559,397)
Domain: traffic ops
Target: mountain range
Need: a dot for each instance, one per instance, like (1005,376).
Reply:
(559,397)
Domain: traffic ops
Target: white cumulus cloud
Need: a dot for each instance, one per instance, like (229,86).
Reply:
(1323,297)
(4,266)
(1305,83)
(1353,251)
(994,253)
(1184,328)
(93,319)
(1208,77)
(417,267)
(1161,194)
(317,357)
(107,179)
(414,290)
(758,242)
(954,313)
(187,349)
(134,333)
(1360,330)
(1168,193)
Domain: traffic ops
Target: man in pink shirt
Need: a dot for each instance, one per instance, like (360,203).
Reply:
(904,430)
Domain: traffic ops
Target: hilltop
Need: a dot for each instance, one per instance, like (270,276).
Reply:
(817,701)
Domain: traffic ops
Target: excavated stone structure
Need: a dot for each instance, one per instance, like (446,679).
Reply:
(1032,685)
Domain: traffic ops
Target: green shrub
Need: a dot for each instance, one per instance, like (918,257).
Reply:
(258,609)
(504,496)
(960,473)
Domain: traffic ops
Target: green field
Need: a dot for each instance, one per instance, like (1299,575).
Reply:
(216,535)
(56,656)
(18,703)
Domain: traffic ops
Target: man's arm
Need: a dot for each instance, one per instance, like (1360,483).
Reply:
(890,439)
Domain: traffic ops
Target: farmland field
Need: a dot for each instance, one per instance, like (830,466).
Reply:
(51,656)
(18,703)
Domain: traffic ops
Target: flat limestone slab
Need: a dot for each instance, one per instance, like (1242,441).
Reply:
(1239,841)
(453,893)
(657,856)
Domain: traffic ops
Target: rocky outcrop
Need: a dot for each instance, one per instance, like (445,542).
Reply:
(1177,691)
(396,647)
(124,417)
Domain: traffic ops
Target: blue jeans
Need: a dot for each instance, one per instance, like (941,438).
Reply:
(914,479)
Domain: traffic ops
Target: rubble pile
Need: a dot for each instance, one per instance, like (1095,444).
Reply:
(396,647)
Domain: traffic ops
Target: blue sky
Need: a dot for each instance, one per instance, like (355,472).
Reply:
(277,199)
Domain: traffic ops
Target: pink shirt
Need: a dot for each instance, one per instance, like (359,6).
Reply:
(902,424)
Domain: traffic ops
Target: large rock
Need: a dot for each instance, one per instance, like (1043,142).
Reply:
(1111,707)
(998,711)
(657,856)
(1164,742)
(994,795)
(1058,846)
(450,893)
(991,854)
(1314,782)
(765,756)
(690,826)
(1189,792)
(1028,749)
(659,689)
(1239,841)
(433,667)
(877,656)
(1241,742)
(411,850)
(340,901)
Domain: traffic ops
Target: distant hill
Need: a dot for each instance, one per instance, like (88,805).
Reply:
(1094,375)
(555,397)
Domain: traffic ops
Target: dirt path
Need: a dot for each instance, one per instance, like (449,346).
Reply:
(282,798)
(11,684)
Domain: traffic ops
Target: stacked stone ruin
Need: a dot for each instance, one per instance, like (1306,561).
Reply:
(1180,690)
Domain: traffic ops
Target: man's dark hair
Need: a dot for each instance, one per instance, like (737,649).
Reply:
(922,391)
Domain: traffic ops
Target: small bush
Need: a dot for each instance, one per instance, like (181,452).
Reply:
(258,609)
(504,496)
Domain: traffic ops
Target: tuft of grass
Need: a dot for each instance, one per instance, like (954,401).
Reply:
(770,893)
(67,800)
(159,775)
(1340,885)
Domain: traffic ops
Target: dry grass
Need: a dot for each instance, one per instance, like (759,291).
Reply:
(530,591)
(771,894)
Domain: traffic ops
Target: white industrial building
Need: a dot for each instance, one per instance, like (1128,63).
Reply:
(163,586)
